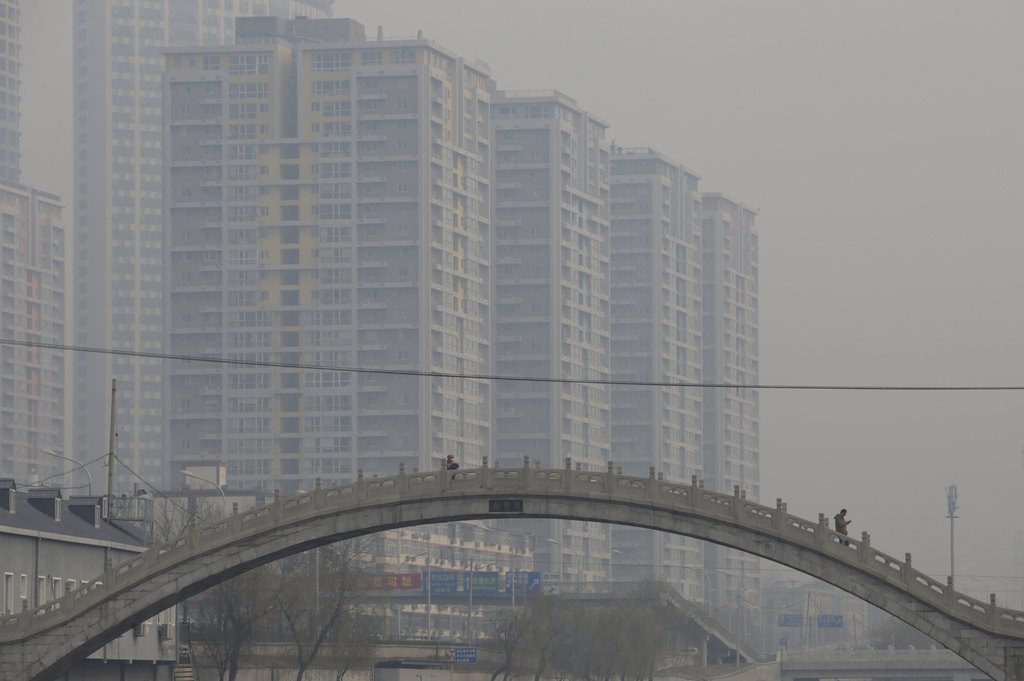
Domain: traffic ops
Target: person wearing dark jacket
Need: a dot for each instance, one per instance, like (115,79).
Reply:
(450,463)
(841,523)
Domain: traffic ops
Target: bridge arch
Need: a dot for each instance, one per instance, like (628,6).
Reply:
(39,644)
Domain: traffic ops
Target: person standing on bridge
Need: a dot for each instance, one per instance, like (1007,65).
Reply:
(450,463)
(841,523)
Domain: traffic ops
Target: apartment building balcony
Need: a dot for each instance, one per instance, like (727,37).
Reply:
(520,165)
(179,122)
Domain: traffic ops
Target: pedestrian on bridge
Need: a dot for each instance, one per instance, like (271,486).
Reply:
(841,523)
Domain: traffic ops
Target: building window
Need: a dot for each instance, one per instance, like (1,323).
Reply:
(403,56)
(248,64)
(331,61)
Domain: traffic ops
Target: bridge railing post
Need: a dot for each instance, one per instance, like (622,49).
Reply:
(446,478)
(610,478)
(864,550)
(403,483)
(908,571)
(277,509)
(567,482)
(780,515)
(822,530)
(525,482)
(486,474)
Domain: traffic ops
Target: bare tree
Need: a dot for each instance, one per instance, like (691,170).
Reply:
(568,640)
(509,631)
(322,594)
(354,642)
(547,627)
(226,617)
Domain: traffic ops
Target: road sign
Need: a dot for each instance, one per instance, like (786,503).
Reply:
(440,582)
(551,582)
(791,620)
(484,583)
(464,655)
(830,621)
(527,582)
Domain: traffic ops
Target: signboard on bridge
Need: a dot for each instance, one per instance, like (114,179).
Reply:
(830,621)
(527,582)
(791,620)
(484,583)
(440,582)
(464,655)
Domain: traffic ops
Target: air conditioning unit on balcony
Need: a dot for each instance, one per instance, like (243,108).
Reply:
(141,630)
(163,631)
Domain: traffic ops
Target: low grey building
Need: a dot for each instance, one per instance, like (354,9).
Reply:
(52,545)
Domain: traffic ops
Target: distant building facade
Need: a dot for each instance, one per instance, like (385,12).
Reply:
(117,205)
(552,296)
(33,380)
(327,203)
(730,300)
(656,336)
(10,91)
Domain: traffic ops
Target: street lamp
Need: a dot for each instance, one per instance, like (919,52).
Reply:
(430,589)
(579,561)
(633,557)
(189,474)
(512,569)
(88,476)
(707,587)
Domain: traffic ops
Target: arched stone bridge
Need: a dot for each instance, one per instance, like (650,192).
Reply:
(39,644)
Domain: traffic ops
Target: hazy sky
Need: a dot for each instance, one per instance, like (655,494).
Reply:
(881,143)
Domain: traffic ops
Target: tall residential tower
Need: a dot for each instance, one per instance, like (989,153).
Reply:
(656,336)
(117,205)
(33,380)
(731,353)
(327,203)
(552,301)
(10,90)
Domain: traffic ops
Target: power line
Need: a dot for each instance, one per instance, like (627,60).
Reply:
(79,486)
(155,490)
(501,377)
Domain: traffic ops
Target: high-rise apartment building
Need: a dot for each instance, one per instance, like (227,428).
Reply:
(552,300)
(729,278)
(117,205)
(10,90)
(656,336)
(33,262)
(32,379)
(327,204)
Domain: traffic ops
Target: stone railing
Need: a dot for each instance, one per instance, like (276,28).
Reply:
(650,493)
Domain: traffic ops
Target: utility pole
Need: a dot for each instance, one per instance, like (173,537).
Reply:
(951,514)
(113,443)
